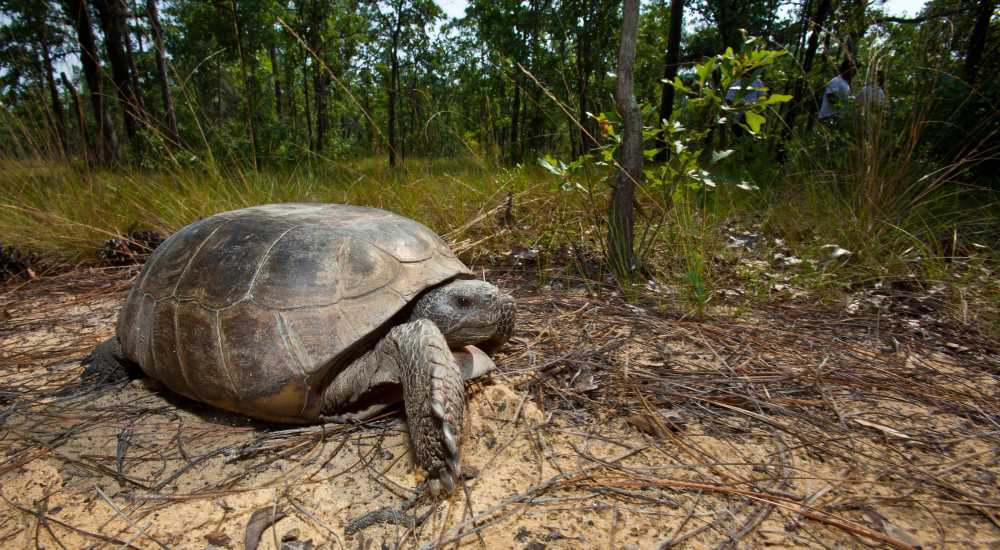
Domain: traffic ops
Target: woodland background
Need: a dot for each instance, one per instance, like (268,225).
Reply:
(122,119)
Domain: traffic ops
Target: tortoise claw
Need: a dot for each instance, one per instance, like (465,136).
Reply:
(450,441)
(447,482)
(438,409)
(454,466)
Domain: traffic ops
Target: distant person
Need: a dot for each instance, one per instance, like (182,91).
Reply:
(837,92)
(872,95)
(748,95)
(745,95)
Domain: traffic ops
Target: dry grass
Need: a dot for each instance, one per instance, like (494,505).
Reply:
(64,215)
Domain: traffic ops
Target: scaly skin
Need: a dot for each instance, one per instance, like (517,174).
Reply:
(416,356)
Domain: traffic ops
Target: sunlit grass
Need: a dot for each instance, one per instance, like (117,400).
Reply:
(65,214)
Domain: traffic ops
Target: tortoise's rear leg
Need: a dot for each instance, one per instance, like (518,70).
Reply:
(414,355)
(107,365)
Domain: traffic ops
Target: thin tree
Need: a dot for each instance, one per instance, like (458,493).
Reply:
(247,86)
(317,32)
(272,52)
(394,35)
(666,110)
(400,21)
(977,42)
(822,12)
(169,114)
(621,218)
(113,24)
(50,81)
(593,18)
(81,120)
(76,12)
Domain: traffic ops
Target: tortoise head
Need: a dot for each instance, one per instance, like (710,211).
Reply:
(469,312)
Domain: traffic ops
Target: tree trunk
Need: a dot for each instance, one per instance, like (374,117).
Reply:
(133,70)
(76,11)
(582,84)
(272,51)
(813,106)
(800,40)
(307,104)
(169,114)
(726,25)
(977,42)
(666,110)
(319,102)
(564,59)
(857,25)
(411,137)
(822,11)
(81,120)
(621,218)
(368,124)
(515,126)
(393,93)
(57,109)
(133,10)
(109,12)
(247,88)
(290,88)
(317,29)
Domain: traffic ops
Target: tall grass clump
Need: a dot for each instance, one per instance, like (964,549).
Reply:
(867,185)
(65,212)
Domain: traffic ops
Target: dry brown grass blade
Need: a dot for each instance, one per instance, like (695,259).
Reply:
(786,504)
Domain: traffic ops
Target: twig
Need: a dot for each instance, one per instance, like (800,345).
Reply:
(46,518)
(139,531)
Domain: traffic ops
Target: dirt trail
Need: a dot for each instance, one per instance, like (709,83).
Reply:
(607,426)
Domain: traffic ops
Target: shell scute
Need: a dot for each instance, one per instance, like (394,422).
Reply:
(222,271)
(163,361)
(315,336)
(320,266)
(199,352)
(255,355)
(170,259)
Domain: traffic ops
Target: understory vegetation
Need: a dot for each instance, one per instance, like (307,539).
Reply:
(497,130)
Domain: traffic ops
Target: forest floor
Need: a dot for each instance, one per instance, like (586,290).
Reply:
(607,425)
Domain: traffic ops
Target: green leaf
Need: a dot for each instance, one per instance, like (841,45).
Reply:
(754,121)
(704,70)
(719,155)
(553,165)
(777,98)
(678,85)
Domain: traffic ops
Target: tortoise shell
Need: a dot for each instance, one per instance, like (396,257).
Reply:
(255,310)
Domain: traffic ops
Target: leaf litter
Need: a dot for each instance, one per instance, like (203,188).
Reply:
(607,425)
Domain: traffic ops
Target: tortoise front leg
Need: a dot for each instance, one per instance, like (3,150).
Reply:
(416,357)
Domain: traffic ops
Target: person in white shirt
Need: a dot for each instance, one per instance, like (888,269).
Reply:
(837,92)
(872,95)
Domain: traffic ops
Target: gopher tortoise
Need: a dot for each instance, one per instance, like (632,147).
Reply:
(315,312)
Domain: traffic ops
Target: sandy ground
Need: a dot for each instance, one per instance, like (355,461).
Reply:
(576,442)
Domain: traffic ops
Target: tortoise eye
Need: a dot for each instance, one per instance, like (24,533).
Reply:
(463,301)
